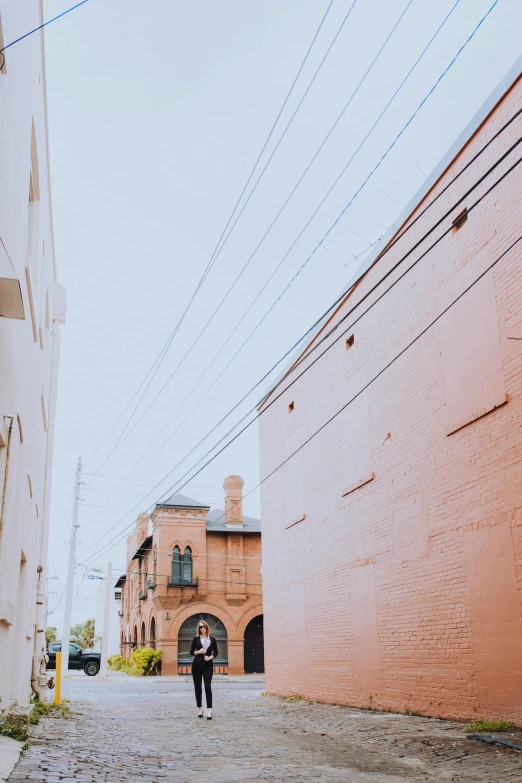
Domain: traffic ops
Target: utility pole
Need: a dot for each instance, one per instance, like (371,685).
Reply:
(66,634)
(106,622)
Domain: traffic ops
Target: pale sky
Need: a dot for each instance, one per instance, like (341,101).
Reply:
(157,113)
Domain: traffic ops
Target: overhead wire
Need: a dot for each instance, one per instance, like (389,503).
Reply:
(248,309)
(389,247)
(385,368)
(372,289)
(245,266)
(329,231)
(195,407)
(36,29)
(159,359)
(382,371)
(317,345)
(352,324)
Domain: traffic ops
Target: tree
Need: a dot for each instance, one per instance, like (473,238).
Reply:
(50,634)
(84,633)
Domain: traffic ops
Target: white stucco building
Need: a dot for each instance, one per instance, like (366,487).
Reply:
(32,307)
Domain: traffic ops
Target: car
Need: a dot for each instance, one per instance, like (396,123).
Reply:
(88,660)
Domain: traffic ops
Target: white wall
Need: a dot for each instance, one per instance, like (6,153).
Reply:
(29,352)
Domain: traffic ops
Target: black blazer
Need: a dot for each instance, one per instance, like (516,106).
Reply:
(199,660)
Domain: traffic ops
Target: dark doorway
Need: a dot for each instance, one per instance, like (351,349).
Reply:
(254,646)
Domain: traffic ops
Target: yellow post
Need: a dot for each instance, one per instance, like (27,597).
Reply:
(58,685)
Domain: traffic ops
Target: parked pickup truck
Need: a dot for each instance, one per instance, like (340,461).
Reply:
(87,660)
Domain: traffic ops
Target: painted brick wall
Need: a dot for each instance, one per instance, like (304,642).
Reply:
(393,543)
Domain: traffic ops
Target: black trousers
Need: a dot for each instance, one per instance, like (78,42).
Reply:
(198,674)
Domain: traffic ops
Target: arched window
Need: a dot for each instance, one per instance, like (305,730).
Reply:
(143,635)
(153,633)
(187,566)
(135,644)
(189,629)
(176,566)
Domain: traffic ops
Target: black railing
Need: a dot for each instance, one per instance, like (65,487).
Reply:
(183,582)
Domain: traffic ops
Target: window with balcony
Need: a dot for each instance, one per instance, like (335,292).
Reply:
(182,568)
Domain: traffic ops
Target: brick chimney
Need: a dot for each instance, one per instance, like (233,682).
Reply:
(142,528)
(233,486)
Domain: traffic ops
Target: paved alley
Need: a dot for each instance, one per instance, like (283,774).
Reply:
(127,729)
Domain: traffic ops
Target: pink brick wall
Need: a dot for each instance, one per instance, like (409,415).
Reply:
(392,543)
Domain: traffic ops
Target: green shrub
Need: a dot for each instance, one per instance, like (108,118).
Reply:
(116,662)
(16,725)
(144,661)
(481,724)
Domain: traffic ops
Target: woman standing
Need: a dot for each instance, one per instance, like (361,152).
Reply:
(204,649)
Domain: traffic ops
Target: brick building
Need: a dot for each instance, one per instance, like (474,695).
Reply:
(394,530)
(187,562)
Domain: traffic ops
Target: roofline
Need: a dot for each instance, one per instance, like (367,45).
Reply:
(192,508)
(228,530)
(503,87)
(121,580)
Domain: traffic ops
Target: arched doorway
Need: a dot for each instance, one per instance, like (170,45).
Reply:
(189,630)
(153,633)
(135,640)
(143,635)
(254,646)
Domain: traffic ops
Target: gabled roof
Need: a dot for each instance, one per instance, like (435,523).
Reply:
(464,137)
(181,501)
(145,544)
(215,517)
(216,523)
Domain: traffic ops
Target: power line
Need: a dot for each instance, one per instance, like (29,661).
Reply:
(331,228)
(350,327)
(417,244)
(382,371)
(217,249)
(389,247)
(225,297)
(393,269)
(159,360)
(289,123)
(189,394)
(387,366)
(35,30)
(286,255)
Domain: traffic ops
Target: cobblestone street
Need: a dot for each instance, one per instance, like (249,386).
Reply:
(146,729)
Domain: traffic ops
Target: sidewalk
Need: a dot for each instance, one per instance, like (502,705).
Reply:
(10,750)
